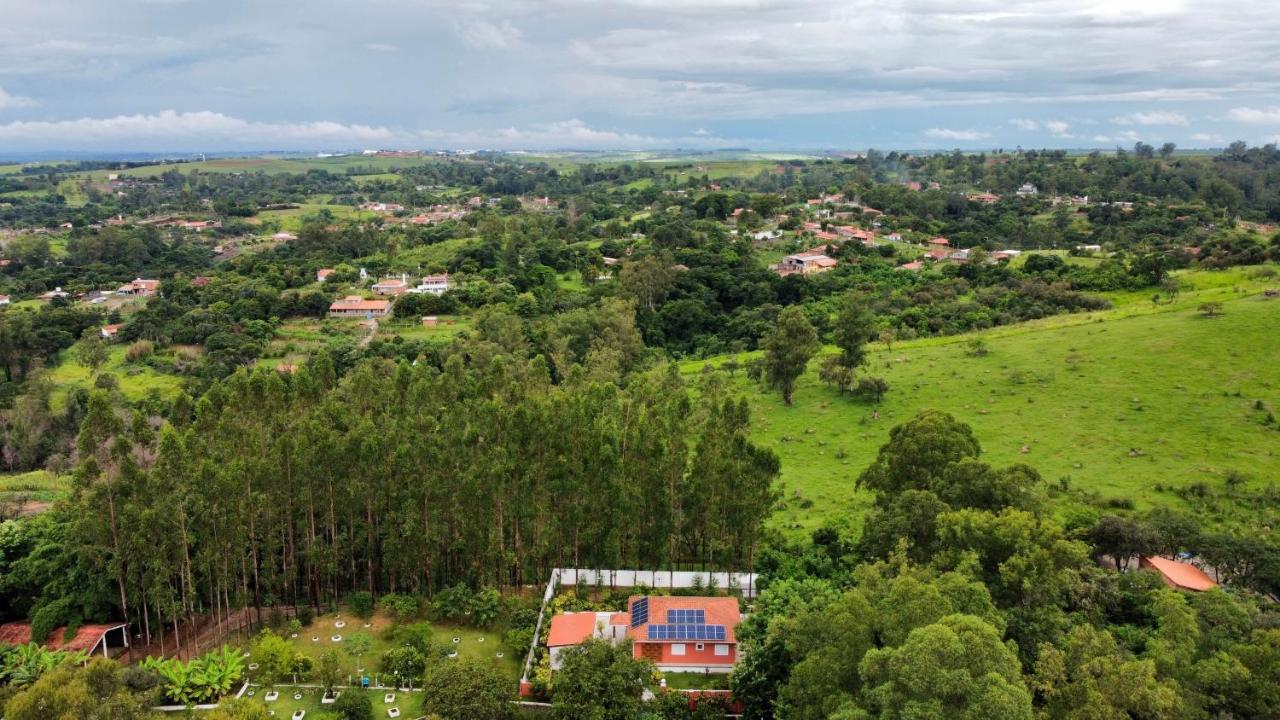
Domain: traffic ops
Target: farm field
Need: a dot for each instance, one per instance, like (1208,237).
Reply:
(1117,402)
(409,704)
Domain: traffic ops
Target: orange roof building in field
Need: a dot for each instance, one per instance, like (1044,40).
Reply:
(354,306)
(1178,575)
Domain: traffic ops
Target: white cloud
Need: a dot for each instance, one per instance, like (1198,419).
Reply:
(1060,128)
(14,101)
(571,134)
(1208,138)
(171,130)
(702,132)
(1025,124)
(486,35)
(1256,116)
(1155,117)
(950,134)
(1128,136)
(380,47)
(188,128)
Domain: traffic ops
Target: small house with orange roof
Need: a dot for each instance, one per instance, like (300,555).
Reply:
(684,634)
(1178,575)
(108,332)
(354,306)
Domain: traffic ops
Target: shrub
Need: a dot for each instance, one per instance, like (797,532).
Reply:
(306,615)
(360,603)
(872,388)
(402,607)
(140,350)
(353,706)
(452,603)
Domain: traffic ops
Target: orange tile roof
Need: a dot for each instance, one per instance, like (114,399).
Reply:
(571,628)
(1180,574)
(719,611)
(620,618)
(359,304)
(86,637)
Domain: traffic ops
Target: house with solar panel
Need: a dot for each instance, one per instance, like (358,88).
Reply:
(678,634)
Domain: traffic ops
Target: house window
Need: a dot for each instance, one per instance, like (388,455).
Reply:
(701,647)
(677,648)
(722,650)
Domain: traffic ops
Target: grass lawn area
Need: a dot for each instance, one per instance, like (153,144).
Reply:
(34,486)
(316,639)
(412,328)
(1080,392)
(410,704)
(136,380)
(292,219)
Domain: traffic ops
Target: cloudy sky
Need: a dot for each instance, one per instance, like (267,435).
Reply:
(179,75)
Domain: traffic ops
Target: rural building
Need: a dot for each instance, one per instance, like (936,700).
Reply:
(391,286)
(678,634)
(985,197)
(4,300)
(805,263)
(323,274)
(109,332)
(89,639)
(913,266)
(433,284)
(940,242)
(54,293)
(1178,575)
(1027,190)
(139,288)
(354,306)
(284,236)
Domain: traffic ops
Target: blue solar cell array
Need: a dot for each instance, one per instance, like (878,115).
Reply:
(640,612)
(686,617)
(686,632)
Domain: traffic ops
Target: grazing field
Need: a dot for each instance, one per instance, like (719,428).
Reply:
(1115,402)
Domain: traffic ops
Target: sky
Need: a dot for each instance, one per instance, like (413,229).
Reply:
(228,75)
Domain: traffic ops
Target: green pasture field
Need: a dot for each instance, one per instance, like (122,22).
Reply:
(1118,401)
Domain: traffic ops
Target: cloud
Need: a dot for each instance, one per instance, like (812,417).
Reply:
(573,134)
(1025,124)
(380,47)
(14,101)
(1256,116)
(485,35)
(207,130)
(1208,138)
(1155,117)
(950,134)
(1128,136)
(702,132)
(1059,128)
(192,129)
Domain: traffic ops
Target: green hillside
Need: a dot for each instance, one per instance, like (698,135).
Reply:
(1118,402)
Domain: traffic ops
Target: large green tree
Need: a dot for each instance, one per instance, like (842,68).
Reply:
(788,349)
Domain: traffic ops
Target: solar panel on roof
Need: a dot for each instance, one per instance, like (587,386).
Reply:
(686,632)
(685,616)
(640,612)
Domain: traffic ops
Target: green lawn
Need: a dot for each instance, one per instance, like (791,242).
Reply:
(412,328)
(35,486)
(136,379)
(317,638)
(696,681)
(410,704)
(1118,401)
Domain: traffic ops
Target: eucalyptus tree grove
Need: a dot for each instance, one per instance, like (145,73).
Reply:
(301,488)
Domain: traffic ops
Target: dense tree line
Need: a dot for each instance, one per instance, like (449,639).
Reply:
(962,597)
(300,489)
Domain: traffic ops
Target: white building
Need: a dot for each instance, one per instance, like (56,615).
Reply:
(432,284)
